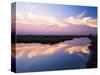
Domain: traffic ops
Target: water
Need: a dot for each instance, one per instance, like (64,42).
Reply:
(69,54)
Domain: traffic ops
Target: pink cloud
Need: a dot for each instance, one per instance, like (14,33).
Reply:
(32,19)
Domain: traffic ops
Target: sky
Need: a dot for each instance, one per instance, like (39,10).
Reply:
(54,19)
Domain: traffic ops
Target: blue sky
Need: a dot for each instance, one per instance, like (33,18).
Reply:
(56,10)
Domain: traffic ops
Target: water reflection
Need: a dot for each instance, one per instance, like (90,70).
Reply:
(77,45)
(69,54)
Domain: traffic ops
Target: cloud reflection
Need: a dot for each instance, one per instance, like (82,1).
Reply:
(77,45)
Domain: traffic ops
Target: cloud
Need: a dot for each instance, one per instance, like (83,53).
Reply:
(73,21)
(82,14)
(32,19)
(37,49)
(88,21)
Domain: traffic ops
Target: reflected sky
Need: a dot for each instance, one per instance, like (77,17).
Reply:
(71,54)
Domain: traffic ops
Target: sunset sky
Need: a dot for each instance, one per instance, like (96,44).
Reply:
(52,19)
(55,19)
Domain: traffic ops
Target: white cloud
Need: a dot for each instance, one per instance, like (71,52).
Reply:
(88,21)
(32,19)
(82,14)
(73,21)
